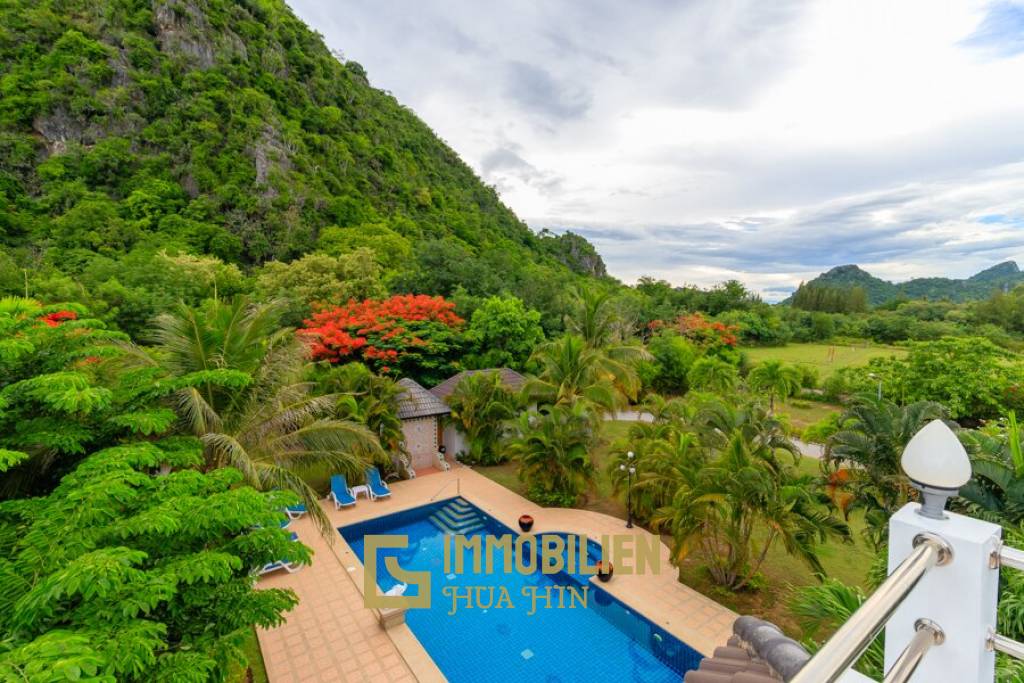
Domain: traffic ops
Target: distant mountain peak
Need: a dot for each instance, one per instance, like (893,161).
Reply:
(998,271)
(979,286)
(847,270)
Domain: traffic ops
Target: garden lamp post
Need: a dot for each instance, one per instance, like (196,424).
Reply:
(630,471)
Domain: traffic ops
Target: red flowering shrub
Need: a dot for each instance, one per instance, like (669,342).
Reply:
(411,334)
(707,333)
(57,317)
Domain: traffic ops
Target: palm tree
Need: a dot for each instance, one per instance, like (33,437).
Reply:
(824,607)
(368,399)
(776,378)
(571,372)
(593,319)
(552,447)
(665,455)
(736,507)
(480,405)
(717,420)
(236,379)
(997,461)
(712,374)
(867,449)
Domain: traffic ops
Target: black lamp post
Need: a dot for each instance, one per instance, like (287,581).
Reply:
(630,471)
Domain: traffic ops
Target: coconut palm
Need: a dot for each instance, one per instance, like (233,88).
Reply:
(368,399)
(571,372)
(776,379)
(552,448)
(867,450)
(480,405)
(741,503)
(712,374)
(237,385)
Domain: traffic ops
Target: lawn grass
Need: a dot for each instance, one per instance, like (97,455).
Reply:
(817,355)
(801,414)
(780,573)
(251,648)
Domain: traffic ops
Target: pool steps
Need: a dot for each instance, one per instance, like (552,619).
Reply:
(457,518)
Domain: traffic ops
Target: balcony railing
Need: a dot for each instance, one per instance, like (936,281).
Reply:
(848,644)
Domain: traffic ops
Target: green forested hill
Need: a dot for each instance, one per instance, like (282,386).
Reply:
(979,286)
(131,129)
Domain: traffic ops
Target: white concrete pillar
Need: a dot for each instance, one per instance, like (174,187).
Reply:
(960,597)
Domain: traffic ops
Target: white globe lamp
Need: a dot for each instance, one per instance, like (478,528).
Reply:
(937,465)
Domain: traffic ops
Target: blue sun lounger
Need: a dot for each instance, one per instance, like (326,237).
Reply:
(340,493)
(377,487)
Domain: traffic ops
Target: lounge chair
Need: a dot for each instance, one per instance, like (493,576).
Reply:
(285,564)
(295,511)
(340,493)
(376,486)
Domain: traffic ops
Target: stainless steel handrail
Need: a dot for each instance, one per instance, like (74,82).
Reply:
(928,633)
(458,488)
(1008,646)
(1013,558)
(847,645)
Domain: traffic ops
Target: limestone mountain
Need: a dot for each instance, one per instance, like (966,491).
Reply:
(1005,275)
(228,128)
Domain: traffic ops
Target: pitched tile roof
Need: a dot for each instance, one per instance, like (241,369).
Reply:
(758,653)
(416,401)
(509,377)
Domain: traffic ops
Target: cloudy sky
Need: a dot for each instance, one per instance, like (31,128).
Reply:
(699,140)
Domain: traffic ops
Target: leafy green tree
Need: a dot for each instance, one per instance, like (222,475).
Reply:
(480,407)
(242,394)
(674,355)
(319,280)
(57,401)
(713,374)
(388,248)
(774,378)
(123,574)
(552,447)
(502,332)
(971,376)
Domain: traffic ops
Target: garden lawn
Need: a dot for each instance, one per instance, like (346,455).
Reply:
(251,647)
(799,414)
(817,355)
(779,574)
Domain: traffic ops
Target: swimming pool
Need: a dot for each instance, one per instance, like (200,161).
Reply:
(604,641)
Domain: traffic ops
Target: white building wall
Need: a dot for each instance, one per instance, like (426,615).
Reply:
(454,441)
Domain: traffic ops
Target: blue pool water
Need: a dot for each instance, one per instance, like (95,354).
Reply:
(604,641)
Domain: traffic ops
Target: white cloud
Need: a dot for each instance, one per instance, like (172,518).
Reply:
(764,141)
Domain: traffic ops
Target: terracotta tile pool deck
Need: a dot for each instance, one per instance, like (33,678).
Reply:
(331,636)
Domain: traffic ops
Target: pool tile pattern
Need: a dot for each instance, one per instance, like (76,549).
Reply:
(330,636)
